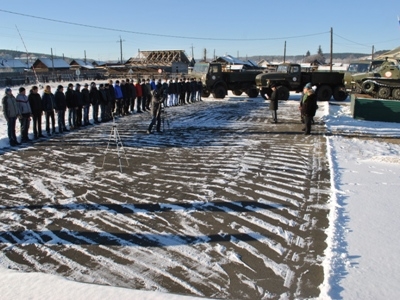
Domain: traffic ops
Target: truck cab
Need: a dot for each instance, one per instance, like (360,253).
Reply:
(287,77)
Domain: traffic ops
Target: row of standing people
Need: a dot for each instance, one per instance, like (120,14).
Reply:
(107,100)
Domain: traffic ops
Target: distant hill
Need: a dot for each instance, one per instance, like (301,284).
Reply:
(337,57)
(9,54)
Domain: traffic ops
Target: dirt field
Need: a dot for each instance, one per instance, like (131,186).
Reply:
(223,204)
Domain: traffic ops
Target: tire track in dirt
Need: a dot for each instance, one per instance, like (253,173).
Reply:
(223,204)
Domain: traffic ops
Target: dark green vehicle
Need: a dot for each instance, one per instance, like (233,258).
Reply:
(358,69)
(289,77)
(382,82)
(219,78)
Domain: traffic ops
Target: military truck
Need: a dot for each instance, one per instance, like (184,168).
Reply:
(217,78)
(289,77)
(382,82)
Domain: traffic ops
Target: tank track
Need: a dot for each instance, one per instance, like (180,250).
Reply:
(376,84)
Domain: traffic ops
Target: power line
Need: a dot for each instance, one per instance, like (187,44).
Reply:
(157,34)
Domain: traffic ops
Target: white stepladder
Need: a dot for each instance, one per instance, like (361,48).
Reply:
(114,136)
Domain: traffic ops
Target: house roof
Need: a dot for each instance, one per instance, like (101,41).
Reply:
(57,63)
(81,64)
(160,57)
(14,64)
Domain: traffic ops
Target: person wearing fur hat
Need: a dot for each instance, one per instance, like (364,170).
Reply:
(11,113)
(308,107)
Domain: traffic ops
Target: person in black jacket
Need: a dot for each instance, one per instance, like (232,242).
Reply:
(79,105)
(72,105)
(35,101)
(309,107)
(60,107)
(48,105)
(273,104)
(86,104)
(95,100)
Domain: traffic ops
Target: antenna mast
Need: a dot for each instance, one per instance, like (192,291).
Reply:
(27,55)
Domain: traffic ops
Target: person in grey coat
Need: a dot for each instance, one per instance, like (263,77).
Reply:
(156,102)
(11,113)
(26,113)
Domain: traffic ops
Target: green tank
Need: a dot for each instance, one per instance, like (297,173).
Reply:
(383,82)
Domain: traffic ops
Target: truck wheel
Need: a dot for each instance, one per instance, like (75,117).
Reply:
(205,94)
(237,92)
(396,94)
(252,93)
(324,93)
(282,92)
(384,92)
(368,87)
(339,93)
(219,92)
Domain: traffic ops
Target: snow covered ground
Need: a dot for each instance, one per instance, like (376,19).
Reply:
(361,258)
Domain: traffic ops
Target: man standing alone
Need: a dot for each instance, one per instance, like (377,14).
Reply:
(273,104)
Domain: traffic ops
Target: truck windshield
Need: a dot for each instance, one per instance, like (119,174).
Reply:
(358,67)
(200,68)
(282,69)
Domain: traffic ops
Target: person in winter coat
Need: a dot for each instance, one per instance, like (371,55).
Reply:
(72,104)
(11,114)
(193,88)
(149,90)
(79,105)
(60,101)
(104,99)
(138,88)
(273,104)
(309,107)
(86,104)
(165,92)
(26,112)
(118,98)
(48,104)
(112,95)
(35,101)
(156,103)
(133,96)
(188,90)
(95,100)
(144,94)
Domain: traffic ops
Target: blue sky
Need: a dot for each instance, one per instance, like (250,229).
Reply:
(245,27)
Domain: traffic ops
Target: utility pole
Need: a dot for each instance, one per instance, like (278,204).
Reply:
(284,53)
(331,49)
(85,56)
(373,50)
(205,54)
(192,51)
(120,46)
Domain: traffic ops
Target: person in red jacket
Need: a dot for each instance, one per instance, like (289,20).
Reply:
(139,95)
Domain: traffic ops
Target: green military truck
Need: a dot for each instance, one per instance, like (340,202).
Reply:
(218,78)
(289,77)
